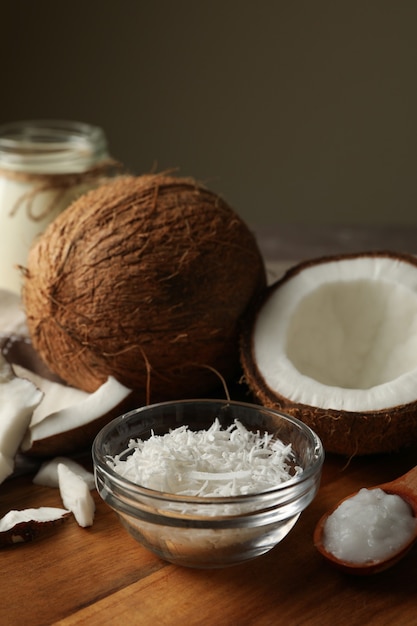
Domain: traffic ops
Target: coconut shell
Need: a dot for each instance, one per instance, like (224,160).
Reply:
(23,532)
(347,433)
(145,279)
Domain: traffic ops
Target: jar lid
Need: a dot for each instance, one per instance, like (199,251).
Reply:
(51,146)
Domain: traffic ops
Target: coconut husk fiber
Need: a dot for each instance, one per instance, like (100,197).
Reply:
(145,279)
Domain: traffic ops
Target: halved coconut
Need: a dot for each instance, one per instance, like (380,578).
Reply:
(334,343)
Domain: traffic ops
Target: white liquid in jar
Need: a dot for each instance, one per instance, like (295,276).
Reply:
(44,166)
(370,526)
(19,228)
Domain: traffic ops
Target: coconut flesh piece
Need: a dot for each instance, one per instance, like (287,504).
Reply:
(19,526)
(18,399)
(67,429)
(57,396)
(76,495)
(47,475)
(338,334)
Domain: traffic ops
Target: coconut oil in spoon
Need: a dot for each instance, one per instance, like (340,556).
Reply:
(372,529)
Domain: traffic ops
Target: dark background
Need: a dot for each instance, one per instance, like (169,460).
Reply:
(295,111)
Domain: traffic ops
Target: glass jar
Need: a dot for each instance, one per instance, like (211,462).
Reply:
(44,166)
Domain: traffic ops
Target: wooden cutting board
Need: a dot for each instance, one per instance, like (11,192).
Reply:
(102,576)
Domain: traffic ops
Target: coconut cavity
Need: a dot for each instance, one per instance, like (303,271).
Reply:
(335,344)
(144,279)
(355,334)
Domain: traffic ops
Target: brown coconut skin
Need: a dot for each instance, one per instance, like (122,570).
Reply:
(146,279)
(23,532)
(346,433)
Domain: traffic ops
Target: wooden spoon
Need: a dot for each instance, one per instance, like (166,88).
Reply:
(404,486)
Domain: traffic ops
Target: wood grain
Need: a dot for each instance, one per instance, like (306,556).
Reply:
(102,576)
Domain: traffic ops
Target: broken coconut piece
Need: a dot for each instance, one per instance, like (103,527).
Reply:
(47,475)
(76,496)
(74,427)
(18,399)
(20,526)
(57,396)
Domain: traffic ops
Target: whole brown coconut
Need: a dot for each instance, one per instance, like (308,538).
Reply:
(145,279)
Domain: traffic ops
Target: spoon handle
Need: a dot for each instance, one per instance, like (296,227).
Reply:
(405,486)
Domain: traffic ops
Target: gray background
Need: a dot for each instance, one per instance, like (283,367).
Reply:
(296,112)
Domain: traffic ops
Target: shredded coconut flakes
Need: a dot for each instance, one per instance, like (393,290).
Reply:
(214,463)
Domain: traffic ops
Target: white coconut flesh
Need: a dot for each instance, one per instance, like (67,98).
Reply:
(342,335)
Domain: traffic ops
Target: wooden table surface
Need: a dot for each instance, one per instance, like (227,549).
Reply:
(100,575)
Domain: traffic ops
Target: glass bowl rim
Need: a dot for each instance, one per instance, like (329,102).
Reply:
(100,464)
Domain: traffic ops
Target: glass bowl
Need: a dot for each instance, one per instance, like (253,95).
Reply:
(202,531)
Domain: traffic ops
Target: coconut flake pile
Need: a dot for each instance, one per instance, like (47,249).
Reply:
(214,463)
